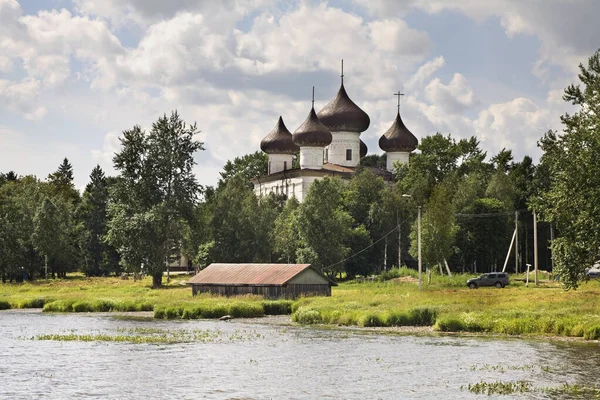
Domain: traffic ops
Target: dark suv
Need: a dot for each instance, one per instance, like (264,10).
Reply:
(498,279)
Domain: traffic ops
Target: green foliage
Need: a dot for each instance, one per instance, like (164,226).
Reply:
(395,272)
(155,194)
(483,240)
(241,224)
(362,263)
(277,307)
(306,315)
(438,229)
(449,324)
(37,302)
(374,160)
(53,235)
(324,227)
(286,238)
(61,183)
(371,320)
(100,258)
(245,167)
(572,200)
(246,310)
(4,305)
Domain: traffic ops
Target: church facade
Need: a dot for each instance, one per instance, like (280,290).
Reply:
(328,144)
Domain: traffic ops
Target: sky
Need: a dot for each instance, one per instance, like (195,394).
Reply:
(74,74)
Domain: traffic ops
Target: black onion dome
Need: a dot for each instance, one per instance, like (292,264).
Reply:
(398,138)
(279,141)
(312,132)
(342,114)
(363,149)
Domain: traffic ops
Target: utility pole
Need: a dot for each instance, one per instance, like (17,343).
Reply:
(551,241)
(385,255)
(535,247)
(419,247)
(517,242)
(399,237)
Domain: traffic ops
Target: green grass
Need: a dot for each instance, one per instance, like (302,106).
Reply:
(445,304)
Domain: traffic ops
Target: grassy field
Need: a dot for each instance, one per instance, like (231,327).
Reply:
(445,303)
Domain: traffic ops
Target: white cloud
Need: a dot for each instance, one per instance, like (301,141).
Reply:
(394,35)
(516,125)
(104,156)
(456,97)
(568,29)
(424,72)
(53,69)
(22,97)
(234,68)
(221,14)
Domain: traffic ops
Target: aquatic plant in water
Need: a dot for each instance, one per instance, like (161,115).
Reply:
(140,335)
(499,387)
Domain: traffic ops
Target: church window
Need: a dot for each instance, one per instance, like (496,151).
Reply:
(327,155)
(285,165)
(348,154)
(269,172)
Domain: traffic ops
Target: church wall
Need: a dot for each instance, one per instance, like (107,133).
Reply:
(279,162)
(292,187)
(311,157)
(343,141)
(393,157)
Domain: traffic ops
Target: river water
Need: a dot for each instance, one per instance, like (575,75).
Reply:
(255,360)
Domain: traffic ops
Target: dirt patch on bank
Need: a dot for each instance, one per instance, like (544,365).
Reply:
(404,279)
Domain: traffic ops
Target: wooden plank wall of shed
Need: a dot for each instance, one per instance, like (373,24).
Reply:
(270,292)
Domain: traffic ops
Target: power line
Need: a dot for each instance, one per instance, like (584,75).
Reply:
(484,215)
(398,226)
(369,246)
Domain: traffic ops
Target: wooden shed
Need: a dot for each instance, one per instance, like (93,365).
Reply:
(268,280)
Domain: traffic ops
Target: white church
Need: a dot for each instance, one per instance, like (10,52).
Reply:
(329,145)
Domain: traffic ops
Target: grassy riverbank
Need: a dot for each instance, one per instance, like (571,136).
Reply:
(444,304)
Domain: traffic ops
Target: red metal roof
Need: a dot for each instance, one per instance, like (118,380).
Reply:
(248,274)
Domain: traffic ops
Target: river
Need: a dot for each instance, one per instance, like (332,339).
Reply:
(256,360)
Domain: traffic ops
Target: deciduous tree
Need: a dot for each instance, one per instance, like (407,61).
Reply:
(155,194)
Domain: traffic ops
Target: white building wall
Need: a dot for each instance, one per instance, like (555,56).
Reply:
(311,157)
(279,162)
(393,157)
(343,141)
(291,187)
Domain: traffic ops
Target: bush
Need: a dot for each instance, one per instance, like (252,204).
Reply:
(192,313)
(103,305)
(59,306)
(246,310)
(173,312)
(277,307)
(37,302)
(371,319)
(397,318)
(4,305)
(217,310)
(449,324)
(82,306)
(306,315)
(159,312)
(592,333)
(422,316)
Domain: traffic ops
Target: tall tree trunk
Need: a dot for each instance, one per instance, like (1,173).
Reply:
(157,279)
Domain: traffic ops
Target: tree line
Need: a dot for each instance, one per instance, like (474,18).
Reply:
(154,209)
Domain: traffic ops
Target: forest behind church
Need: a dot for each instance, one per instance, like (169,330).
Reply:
(154,209)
